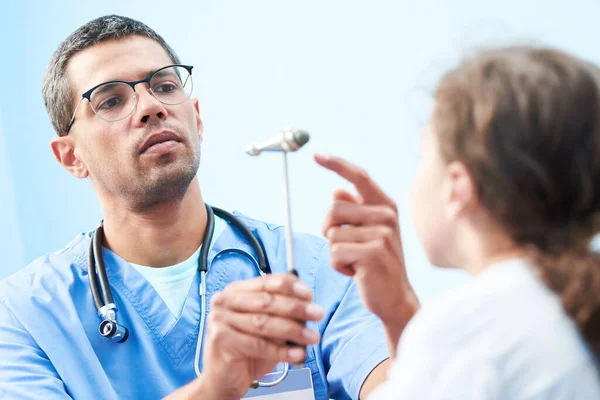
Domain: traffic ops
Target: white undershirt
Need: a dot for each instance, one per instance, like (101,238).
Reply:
(173,283)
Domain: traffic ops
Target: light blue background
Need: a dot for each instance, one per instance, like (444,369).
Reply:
(356,74)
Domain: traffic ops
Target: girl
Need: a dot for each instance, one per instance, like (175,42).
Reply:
(509,190)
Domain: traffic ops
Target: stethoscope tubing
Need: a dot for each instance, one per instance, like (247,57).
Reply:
(103,299)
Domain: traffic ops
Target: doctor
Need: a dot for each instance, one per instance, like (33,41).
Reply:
(139,146)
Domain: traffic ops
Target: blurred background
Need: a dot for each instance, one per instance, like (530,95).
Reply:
(357,75)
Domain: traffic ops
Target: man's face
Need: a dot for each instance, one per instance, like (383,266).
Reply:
(112,154)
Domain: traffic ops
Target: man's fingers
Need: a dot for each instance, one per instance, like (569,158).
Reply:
(366,187)
(343,195)
(268,303)
(346,213)
(286,284)
(252,347)
(345,269)
(360,234)
(271,327)
(344,254)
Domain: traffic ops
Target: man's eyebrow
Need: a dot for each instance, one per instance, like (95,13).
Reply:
(165,72)
(143,74)
(146,73)
(106,87)
(149,72)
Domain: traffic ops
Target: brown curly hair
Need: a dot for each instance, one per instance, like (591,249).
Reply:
(526,123)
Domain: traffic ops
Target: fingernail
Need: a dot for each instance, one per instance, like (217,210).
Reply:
(310,335)
(314,311)
(296,353)
(302,290)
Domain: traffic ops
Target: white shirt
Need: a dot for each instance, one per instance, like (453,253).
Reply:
(502,335)
(173,283)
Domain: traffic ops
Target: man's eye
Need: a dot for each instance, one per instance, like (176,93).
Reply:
(110,103)
(165,88)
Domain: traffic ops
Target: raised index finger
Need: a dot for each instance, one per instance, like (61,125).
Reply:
(366,187)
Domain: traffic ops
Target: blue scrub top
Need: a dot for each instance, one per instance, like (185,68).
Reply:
(50,347)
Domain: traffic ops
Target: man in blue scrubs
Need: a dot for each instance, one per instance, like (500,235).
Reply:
(139,146)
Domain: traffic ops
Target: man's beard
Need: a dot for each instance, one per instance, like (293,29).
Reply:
(166,181)
(164,187)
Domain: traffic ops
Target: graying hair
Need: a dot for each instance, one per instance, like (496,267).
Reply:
(55,86)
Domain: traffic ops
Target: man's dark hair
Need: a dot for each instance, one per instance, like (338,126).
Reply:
(56,90)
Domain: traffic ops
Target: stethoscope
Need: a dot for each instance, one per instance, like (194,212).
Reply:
(107,311)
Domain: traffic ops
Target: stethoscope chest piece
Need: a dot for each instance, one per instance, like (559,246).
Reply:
(113,331)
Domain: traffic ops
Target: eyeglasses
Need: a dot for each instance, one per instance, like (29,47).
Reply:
(116,100)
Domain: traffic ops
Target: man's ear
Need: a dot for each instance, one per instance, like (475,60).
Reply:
(64,150)
(198,119)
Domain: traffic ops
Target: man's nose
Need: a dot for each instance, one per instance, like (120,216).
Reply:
(148,107)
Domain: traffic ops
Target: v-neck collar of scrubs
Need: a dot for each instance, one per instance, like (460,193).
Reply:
(178,335)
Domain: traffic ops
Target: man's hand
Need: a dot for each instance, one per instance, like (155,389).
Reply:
(365,243)
(248,327)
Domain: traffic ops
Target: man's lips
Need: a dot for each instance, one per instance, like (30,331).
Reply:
(160,141)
